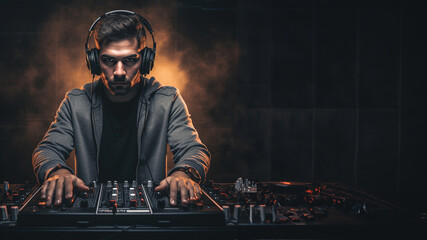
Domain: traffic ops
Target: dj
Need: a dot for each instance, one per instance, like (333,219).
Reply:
(120,125)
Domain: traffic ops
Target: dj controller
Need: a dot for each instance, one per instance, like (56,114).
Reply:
(243,209)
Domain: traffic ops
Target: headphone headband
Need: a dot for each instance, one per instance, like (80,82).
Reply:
(141,20)
(148,54)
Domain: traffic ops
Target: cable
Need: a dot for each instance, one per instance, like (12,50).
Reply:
(143,129)
(91,121)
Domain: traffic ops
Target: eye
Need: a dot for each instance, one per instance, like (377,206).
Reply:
(130,60)
(108,59)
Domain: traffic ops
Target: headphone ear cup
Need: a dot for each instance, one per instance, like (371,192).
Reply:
(147,60)
(92,60)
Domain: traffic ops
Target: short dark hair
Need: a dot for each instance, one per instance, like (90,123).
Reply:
(119,26)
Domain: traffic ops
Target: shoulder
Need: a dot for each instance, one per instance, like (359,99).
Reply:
(168,91)
(156,88)
(84,91)
(76,92)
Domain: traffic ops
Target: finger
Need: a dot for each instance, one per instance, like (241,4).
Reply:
(68,187)
(80,185)
(197,191)
(173,192)
(163,186)
(58,191)
(184,192)
(43,190)
(49,192)
(191,191)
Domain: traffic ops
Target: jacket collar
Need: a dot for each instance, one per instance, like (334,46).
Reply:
(149,87)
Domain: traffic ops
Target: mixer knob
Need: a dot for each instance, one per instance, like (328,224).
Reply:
(149,184)
(109,184)
(236,212)
(93,186)
(262,212)
(6,186)
(133,203)
(226,210)
(3,213)
(273,214)
(252,213)
(125,184)
(134,183)
(84,195)
(14,213)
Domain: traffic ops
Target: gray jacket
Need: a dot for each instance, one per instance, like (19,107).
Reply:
(163,118)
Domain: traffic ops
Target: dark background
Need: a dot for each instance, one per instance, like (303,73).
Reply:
(304,90)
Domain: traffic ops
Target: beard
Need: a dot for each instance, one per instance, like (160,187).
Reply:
(119,90)
(119,86)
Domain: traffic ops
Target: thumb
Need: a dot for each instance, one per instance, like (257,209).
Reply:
(80,185)
(162,186)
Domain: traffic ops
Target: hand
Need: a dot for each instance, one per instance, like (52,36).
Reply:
(179,181)
(61,179)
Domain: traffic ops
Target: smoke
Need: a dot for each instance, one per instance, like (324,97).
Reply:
(201,74)
(61,45)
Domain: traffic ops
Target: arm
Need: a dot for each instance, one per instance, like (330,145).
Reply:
(50,155)
(188,151)
(185,144)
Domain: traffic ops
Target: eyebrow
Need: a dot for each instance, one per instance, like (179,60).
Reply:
(130,56)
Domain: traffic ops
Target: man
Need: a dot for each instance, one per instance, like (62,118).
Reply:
(120,125)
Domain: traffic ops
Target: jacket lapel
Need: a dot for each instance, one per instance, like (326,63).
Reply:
(96,115)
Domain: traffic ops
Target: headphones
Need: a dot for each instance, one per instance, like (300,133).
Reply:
(147,54)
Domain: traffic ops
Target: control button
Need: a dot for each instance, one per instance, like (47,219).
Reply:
(3,213)
(236,212)
(41,204)
(273,214)
(252,213)
(262,213)
(226,210)
(14,213)
(6,186)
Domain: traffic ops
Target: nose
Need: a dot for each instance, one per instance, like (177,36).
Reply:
(119,69)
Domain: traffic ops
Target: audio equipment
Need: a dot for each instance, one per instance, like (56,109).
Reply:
(12,199)
(114,203)
(147,54)
(243,209)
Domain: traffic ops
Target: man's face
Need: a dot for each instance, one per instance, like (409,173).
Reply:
(120,62)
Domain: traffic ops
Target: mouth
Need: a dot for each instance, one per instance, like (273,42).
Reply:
(121,84)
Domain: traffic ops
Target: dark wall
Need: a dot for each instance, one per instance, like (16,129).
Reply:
(329,91)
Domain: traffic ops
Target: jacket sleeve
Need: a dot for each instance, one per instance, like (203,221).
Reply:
(184,141)
(56,145)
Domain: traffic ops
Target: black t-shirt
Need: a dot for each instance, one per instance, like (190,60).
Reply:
(119,150)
